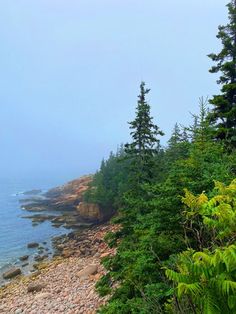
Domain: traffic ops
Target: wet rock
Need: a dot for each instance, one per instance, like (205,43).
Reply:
(33,192)
(25,264)
(32,245)
(57,225)
(35,273)
(24,258)
(39,258)
(36,265)
(71,235)
(13,272)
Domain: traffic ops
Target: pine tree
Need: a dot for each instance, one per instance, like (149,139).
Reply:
(224,111)
(175,136)
(178,145)
(201,130)
(145,143)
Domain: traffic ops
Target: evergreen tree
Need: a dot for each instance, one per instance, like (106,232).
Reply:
(109,183)
(224,111)
(175,137)
(201,130)
(178,146)
(145,143)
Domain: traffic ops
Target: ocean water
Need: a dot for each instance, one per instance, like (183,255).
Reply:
(16,232)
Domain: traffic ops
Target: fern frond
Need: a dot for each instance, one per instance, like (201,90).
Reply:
(176,277)
(192,289)
(210,304)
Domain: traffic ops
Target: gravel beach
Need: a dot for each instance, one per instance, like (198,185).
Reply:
(65,284)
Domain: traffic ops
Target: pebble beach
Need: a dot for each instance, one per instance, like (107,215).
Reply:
(66,284)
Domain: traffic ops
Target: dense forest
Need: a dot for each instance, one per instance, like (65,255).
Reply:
(175,205)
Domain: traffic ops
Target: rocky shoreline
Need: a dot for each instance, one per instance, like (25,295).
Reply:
(64,206)
(65,284)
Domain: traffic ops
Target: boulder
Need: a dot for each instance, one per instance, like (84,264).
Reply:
(39,258)
(35,273)
(42,295)
(13,272)
(32,245)
(25,264)
(67,253)
(35,287)
(24,258)
(89,211)
(87,271)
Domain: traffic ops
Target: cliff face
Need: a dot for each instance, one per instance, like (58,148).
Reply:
(66,198)
(90,212)
(72,189)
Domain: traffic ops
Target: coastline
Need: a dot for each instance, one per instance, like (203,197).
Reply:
(56,207)
(65,284)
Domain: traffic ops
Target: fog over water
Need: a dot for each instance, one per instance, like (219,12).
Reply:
(70,71)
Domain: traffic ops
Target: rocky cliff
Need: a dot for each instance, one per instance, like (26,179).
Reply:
(67,199)
(90,211)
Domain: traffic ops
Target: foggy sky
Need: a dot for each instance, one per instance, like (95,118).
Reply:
(70,72)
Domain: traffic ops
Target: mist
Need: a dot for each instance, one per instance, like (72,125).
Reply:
(70,74)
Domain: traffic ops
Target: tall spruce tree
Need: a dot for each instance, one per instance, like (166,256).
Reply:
(224,111)
(145,144)
(175,136)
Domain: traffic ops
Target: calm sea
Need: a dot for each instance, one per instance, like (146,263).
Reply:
(16,232)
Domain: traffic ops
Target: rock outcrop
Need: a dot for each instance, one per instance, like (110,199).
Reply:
(72,190)
(13,272)
(68,199)
(90,212)
(62,198)
(32,245)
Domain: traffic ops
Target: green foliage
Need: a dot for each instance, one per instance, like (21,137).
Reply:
(224,111)
(145,143)
(208,277)
(218,215)
(110,182)
(153,228)
(104,285)
(175,252)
